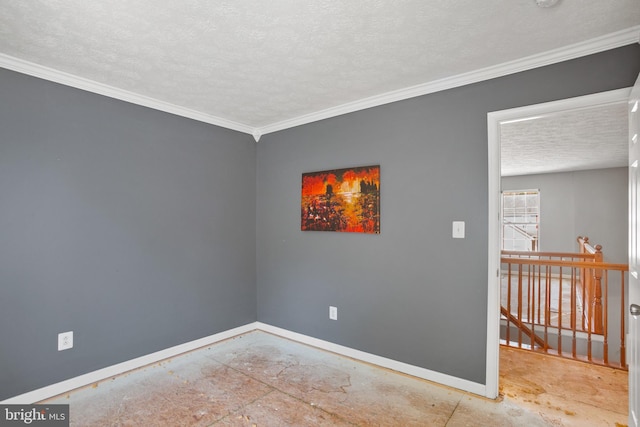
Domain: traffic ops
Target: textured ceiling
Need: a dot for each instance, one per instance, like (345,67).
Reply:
(256,62)
(586,138)
(259,66)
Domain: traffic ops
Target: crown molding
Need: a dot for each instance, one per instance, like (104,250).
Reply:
(600,44)
(67,79)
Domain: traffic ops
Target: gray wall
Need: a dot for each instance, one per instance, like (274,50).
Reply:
(412,293)
(139,230)
(589,203)
(131,227)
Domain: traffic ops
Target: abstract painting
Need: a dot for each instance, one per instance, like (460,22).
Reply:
(346,200)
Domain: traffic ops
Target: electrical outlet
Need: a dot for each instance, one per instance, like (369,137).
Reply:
(65,340)
(333,312)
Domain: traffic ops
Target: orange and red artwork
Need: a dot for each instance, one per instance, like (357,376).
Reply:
(342,200)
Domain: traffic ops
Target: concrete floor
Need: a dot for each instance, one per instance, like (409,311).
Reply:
(258,379)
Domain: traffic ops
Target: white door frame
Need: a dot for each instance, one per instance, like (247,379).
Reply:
(632,338)
(494,121)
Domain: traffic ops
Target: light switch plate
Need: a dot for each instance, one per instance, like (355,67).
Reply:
(458,230)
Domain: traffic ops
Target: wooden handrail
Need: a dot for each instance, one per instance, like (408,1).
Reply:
(585,246)
(563,263)
(578,284)
(529,254)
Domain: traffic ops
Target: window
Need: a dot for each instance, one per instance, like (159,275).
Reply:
(520,220)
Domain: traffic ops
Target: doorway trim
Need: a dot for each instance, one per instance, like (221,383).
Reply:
(494,120)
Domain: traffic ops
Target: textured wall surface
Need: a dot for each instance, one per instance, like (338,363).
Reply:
(133,228)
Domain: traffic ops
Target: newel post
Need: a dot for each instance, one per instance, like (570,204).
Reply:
(597,300)
(585,279)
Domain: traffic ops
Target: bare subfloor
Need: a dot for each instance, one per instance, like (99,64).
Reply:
(258,379)
(564,392)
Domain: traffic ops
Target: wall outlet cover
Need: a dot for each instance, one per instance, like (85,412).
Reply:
(65,340)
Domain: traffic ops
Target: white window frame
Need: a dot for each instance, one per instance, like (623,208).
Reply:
(524,223)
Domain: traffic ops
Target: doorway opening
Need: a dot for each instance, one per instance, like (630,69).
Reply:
(503,125)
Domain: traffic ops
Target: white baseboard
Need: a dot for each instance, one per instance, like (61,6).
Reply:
(120,368)
(416,371)
(139,362)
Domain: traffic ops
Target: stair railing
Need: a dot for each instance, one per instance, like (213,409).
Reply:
(553,301)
